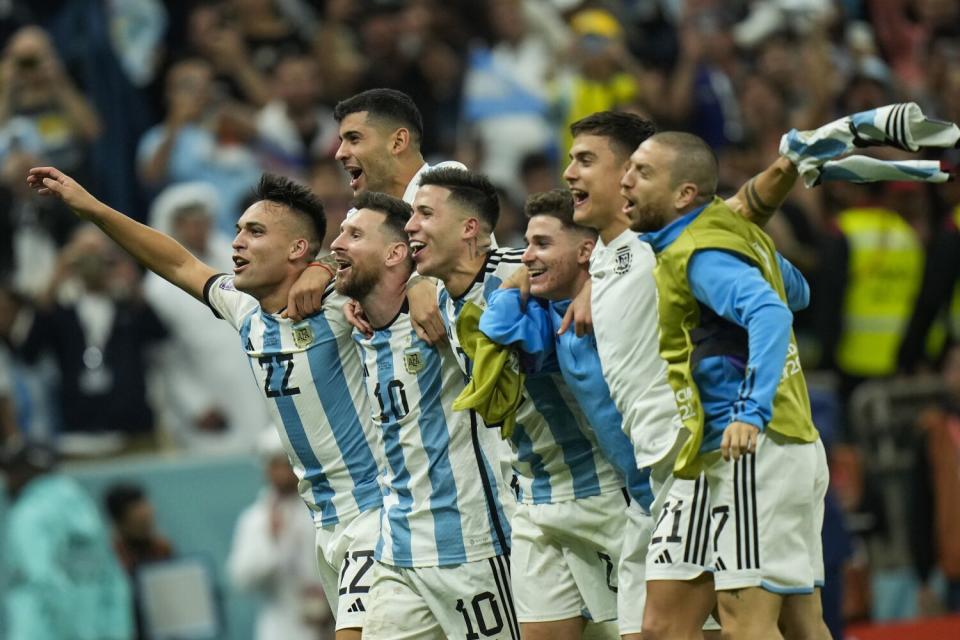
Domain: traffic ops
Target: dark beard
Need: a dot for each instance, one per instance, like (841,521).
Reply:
(647,218)
(358,285)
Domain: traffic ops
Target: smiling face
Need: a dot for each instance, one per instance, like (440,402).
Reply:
(361,250)
(556,258)
(366,153)
(435,234)
(648,187)
(265,248)
(593,177)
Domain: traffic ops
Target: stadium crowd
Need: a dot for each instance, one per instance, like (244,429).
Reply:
(171,111)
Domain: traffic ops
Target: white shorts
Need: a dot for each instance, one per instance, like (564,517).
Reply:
(766,515)
(345,561)
(680,546)
(565,556)
(631,570)
(469,600)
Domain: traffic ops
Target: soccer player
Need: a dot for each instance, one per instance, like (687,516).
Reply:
(725,298)
(380,134)
(679,589)
(561,476)
(442,556)
(556,268)
(310,372)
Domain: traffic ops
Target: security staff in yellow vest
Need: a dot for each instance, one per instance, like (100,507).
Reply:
(940,290)
(883,272)
(725,298)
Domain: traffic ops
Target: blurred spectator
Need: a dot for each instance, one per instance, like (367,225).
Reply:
(201,140)
(939,297)
(538,174)
(294,127)
(935,509)
(37,227)
(272,542)
(208,401)
(41,110)
(874,265)
(98,329)
(8,417)
(135,539)
(64,581)
(506,89)
(606,77)
(330,182)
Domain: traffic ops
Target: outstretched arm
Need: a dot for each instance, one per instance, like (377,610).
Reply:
(763,194)
(157,252)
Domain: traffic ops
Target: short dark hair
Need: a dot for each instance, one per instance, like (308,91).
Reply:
(694,161)
(390,105)
(120,497)
(625,131)
(397,211)
(473,191)
(556,203)
(299,199)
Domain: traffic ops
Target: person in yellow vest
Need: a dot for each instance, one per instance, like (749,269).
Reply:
(725,298)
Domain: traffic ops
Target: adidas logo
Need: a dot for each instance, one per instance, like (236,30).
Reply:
(664,558)
(719,565)
(357,607)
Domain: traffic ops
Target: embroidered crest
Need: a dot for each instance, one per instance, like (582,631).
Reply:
(303,336)
(413,360)
(624,260)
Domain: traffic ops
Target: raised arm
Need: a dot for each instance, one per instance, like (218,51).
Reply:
(763,194)
(157,252)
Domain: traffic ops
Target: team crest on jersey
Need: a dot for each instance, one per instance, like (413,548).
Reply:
(413,360)
(303,336)
(624,260)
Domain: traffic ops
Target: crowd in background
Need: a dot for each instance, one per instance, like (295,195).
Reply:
(170,111)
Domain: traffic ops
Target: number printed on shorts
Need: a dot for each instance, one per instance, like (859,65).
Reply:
(676,509)
(362,562)
(608,563)
(481,615)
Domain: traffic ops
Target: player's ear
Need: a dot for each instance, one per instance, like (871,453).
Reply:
(397,252)
(686,193)
(585,250)
(401,140)
(300,248)
(472,228)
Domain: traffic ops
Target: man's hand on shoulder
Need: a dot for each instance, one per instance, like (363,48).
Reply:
(424,310)
(306,294)
(519,279)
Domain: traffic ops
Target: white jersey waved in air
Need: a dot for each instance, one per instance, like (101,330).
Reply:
(556,456)
(311,377)
(442,499)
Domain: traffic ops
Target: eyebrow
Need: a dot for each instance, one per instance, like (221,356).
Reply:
(538,237)
(250,225)
(352,133)
(584,155)
(424,208)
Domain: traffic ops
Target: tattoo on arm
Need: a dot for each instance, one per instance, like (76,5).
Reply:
(758,208)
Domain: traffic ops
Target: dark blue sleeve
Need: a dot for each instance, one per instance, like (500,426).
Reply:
(798,291)
(528,327)
(737,291)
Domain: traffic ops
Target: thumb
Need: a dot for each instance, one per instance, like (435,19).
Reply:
(567,321)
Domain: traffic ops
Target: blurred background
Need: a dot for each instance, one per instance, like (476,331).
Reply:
(170,110)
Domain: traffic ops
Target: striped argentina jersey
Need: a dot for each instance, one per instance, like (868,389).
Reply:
(556,457)
(311,378)
(442,500)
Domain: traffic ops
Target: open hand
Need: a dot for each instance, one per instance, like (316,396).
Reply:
(49,181)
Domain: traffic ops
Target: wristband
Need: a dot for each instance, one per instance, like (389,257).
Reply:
(323,266)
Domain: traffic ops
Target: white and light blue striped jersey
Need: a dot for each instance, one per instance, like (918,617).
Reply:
(556,453)
(312,380)
(442,498)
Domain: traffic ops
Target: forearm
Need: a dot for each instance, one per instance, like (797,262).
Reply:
(506,322)
(763,194)
(157,252)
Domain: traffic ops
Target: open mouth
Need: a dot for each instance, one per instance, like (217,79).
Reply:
(356,173)
(579,197)
(536,272)
(416,247)
(343,266)
(239,264)
(629,206)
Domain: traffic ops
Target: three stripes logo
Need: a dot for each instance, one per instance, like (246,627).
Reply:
(664,558)
(357,607)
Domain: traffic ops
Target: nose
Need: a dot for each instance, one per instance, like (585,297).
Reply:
(527,258)
(337,244)
(237,243)
(341,153)
(413,225)
(627,180)
(570,173)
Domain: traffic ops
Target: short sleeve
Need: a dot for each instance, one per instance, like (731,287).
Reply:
(226,302)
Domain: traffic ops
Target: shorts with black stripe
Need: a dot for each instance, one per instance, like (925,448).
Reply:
(680,545)
(469,600)
(766,515)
